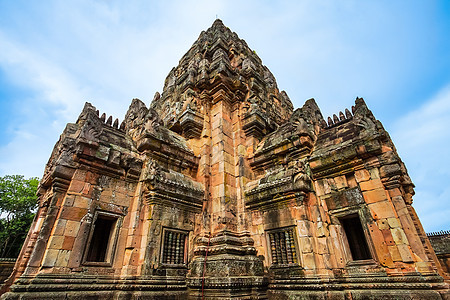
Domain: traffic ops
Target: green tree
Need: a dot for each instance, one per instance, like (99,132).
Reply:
(18,203)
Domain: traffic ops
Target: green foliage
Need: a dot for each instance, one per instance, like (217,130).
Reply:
(18,202)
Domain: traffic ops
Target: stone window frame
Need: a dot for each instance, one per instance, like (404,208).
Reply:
(162,247)
(112,242)
(357,211)
(269,246)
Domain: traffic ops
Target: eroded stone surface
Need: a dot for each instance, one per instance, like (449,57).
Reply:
(220,189)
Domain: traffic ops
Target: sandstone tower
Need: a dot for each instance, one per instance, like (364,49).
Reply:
(220,190)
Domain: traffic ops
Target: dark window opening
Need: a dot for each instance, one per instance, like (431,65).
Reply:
(282,247)
(174,247)
(101,239)
(356,238)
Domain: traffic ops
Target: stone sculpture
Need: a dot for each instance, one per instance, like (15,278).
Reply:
(221,190)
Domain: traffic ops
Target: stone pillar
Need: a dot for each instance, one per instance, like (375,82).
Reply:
(225,264)
(223,180)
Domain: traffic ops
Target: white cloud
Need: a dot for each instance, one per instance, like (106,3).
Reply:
(27,153)
(427,122)
(98,53)
(423,141)
(38,119)
(110,52)
(51,82)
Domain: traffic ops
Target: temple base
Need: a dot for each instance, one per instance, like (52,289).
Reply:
(226,267)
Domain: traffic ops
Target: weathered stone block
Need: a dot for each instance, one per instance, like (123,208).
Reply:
(63,258)
(81,202)
(306,245)
(73,213)
(56,242)
(393,222)
(341,182)
(374,173)
(389,240)
(76,186)
(362,175)
(50,258)
(303,228)
(371,185)
(390,170)
(395,254)
(405,253)
(319,188)
(376,195)
(60,226)
(68,243)
(308,261)
(381,210)
(399,236)
(383,224)
(322,247)
(399,204)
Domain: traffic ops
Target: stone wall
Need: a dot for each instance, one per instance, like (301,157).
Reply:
(6,267)
(441,244)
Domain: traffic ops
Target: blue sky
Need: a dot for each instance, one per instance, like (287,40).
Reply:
(56,55)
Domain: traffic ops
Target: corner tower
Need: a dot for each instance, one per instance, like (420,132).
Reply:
(222,100)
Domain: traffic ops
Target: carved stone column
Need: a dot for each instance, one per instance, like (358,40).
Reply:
(225,263)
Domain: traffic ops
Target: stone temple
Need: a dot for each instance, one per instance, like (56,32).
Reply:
(221,190)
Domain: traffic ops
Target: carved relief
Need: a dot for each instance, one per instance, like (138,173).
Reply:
(226,192)
(302,179)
